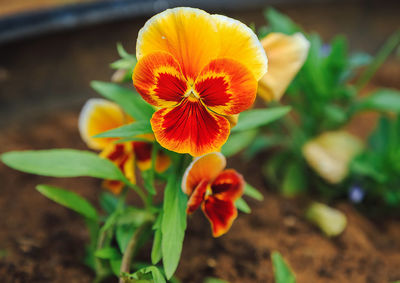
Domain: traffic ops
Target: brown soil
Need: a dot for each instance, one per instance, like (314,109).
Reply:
(44,242)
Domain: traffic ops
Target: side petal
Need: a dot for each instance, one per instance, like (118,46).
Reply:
(220,213)
(162,162)
(189,34)
(158,79)
(113,186)
(239,42)
(122,156)
(226,86)
(190,128)
(228,185)
(197,197)
(143,155)
(205,167)
(286,54)
(99,115)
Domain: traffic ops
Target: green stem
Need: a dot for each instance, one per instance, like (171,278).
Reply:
(141,194)
(379,59)
(129,251)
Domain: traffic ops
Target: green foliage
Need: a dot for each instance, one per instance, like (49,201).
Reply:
(278,22)
(70,200)
(147,274)
(156,253)
(128,99)
(294,180)
(214,280)
(173,224)
(252,119)
(127,61)
(128,131)
(384,100)
(238,142)
(108,253)
(63,163)
(242,206)
(282,271)
(252,192)
(377,168)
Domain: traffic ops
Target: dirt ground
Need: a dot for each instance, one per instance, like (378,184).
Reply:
(41,241)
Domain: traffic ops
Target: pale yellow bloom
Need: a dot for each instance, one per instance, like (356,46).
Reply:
(330,154)
(286,55)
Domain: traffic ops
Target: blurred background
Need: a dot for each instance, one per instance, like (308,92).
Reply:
(50,50)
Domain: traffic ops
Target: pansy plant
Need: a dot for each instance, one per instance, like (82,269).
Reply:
(194,74)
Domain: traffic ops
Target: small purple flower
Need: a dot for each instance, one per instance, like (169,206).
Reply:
(356,194)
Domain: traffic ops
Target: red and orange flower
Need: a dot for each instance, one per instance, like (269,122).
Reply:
(214,189)
(99,115)
(199,70)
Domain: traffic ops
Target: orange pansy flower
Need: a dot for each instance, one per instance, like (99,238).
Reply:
(99,115)
(214,189)
(198,70)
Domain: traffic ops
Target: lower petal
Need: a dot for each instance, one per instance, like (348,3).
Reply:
(190,128)
(113,186)
(143,155)
(220,213)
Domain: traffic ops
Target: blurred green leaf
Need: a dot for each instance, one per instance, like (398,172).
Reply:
(238,142)
(63,163)
(252,192)
(242,205)
(128,99)
(381,100)
(70,200)
(146,273)
(130,130)
(279,22)
(294,180)
(115,265)
(256,118)
(214,280)
(282,271)
(108,202)
(108,253)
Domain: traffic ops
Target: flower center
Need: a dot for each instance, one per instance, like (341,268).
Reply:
(192,95)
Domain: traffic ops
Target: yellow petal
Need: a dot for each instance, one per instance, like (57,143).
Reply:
(330,154)
(188,34)
(286,55)
(239,42)
(99,115)
(203,168)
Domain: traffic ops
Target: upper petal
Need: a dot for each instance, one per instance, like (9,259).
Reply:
(228,185)
(205,167)
(286,54)
(99,115)
(220,213)
(189,34)
(226,86)
(239,42)
(158,78)
(190,128)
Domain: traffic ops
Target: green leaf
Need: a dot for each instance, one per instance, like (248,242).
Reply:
(214,280)
(279,22)
(129,100)
(252,192)
(69,199)
(242,206)
(63,163)
(156,253)
(122,52)
(294,181)
(238,142)
(108,202)
(108,253)
(256,118)
(144,273)
(126,131)
(123,234)
(282,271)
(381,100)
(115,265)
(173,224)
